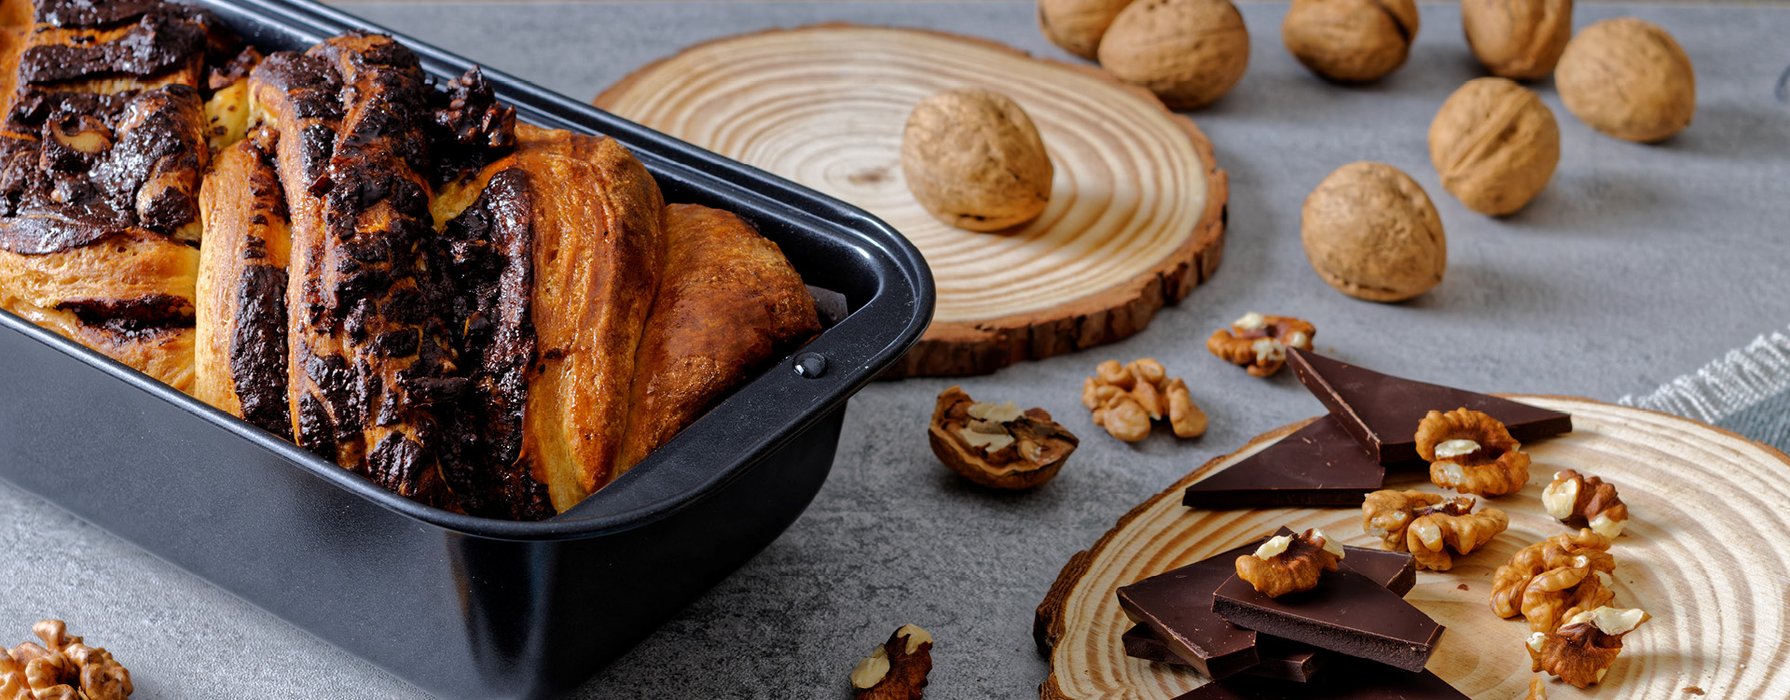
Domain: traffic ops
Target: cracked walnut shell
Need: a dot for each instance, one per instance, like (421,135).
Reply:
(1628,78)
(62,668)
(1350,40)
(1578,499)
(1472,452)
(998,445)
(1371,232)
(1127,399)
(1495,145)
(1584,648)
(1289,563)
(1259,343)
(1555,578)
(1432,528)
(974,160)
(1188,52)
(1517,39)
(897,669)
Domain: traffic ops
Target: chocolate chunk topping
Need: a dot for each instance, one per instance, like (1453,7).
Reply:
(93,13)
(133,316)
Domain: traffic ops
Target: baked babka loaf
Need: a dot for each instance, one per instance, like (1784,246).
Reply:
(484,316)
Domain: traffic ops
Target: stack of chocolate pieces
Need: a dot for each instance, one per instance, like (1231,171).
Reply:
(1354,632)
(1372,426)
(1256,646)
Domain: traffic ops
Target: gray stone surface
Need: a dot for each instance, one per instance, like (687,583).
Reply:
(1637,264)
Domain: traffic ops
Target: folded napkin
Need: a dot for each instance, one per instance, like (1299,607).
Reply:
(1746,391)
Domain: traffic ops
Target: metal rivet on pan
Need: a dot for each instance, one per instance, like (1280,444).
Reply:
(811,365)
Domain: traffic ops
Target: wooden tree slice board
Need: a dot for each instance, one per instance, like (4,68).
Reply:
(1705,552)
(1136,213)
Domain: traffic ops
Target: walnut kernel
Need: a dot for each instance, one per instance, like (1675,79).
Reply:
(1584,648)
(897,669)
(1472,452)
(1289,563)
(1573,497)
(1371,232)
(998,445)
(1495,145)
(62,668)
(1188,52)
(1432,528)
(1259,343)
(1350,40)
(1549,580)
(1628,78)
(1126,399)
(1517,39)
(973,159)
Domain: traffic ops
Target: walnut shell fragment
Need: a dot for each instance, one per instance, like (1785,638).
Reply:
(897,669)
(998,445)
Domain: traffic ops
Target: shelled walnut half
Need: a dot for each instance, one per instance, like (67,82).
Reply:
(897,669)
(1584,648)
(1127,399)
(998,445)
(1432,528)
(1576,498)
(1289,563)
(1258,343)
(62,668)
(1472,452)
(1555,579)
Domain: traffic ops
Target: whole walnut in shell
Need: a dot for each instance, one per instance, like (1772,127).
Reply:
(973,159)
(1371,232)
(1350,40)
(1078,25)
(1188,52)
(1517,39)
(1495,145)
(1628,78)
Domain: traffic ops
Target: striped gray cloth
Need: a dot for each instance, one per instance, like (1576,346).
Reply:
(1746,391)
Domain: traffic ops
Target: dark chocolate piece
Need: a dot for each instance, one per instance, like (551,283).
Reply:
(1347,613)
(1177,601)
(1364,682)
(1177,608)
(1382,411)
(1319,465)
(1280,659)
(157,43)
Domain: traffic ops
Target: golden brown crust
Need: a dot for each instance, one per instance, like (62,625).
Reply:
(728,303)
(596,269)
(240,324)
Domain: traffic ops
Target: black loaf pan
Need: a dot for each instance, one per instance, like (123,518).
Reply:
(463,606)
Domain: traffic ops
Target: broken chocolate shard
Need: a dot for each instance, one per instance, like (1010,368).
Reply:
(1347,613)
(1382,411)
(1363,682)
(1180,601)
(1279,659)
(1319,465)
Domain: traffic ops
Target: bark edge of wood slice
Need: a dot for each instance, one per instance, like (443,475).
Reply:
(1142,180)
(1698,495)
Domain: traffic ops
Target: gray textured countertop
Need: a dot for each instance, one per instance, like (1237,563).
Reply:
(1637,264)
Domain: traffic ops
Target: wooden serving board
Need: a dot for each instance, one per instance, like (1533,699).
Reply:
(1706,552)
(1136,212)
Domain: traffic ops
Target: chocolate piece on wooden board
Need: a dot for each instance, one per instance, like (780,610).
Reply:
(1362,682)
(1175,607)
(1382,411)
(1347,613)
(1317,466)
(1280,659)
